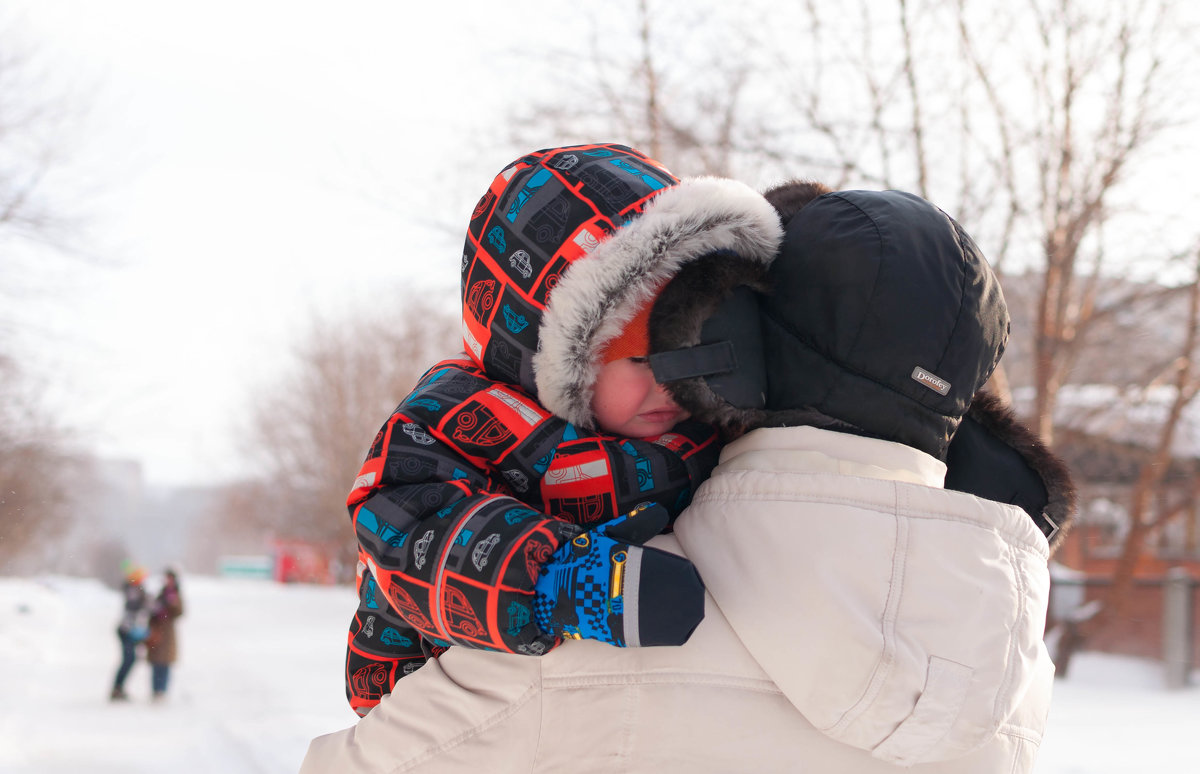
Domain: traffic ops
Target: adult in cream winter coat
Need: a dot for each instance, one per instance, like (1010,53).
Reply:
(812,652)
(860,617)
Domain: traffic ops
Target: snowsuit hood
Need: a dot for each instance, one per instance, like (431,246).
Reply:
(568,244)
(897,617)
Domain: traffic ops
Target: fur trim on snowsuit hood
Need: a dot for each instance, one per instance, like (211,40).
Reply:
(877,304)
(568,244)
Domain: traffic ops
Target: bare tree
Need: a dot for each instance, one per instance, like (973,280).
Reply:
(1152,505)
(38,116)
(312,429)
(34,452)
(32,458)
(1185,383)
(643,79)
(1025,125)
(24,160)
(1098,91)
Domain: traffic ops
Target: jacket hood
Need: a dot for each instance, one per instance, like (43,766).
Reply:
(897,617)
(568,244)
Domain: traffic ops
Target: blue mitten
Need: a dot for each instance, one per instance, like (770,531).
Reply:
(602,585)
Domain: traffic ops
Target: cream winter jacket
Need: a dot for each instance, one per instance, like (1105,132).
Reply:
(860,619)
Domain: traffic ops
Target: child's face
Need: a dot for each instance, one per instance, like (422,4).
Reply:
(627,401)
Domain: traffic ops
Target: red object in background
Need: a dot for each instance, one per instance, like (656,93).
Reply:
(299,561)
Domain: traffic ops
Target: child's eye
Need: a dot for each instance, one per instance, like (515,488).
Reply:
(639,360)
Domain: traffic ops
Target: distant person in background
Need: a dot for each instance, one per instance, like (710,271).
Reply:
(131,629)
(161,643)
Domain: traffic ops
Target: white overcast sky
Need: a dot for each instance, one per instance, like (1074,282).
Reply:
(251,162)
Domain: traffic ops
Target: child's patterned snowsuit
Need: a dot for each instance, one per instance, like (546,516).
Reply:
(488,465)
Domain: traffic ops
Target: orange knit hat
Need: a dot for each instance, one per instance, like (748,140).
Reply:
(634,338)
(633,341)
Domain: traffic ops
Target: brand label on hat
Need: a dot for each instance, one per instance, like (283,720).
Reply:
(938,385)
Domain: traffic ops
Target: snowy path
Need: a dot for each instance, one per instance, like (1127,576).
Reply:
(260,675)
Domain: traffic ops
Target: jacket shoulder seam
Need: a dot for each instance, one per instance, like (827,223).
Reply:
(568,682)
(1010,536)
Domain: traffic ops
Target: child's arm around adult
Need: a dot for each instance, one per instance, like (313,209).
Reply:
(471,486)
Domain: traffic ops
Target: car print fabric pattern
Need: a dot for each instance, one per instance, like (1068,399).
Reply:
(449,545)
(539,216)
(494,461)
(468,490)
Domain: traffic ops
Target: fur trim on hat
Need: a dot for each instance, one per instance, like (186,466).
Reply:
(790,197)
(599,294)
(677,322)
(1002,423)
(694,295)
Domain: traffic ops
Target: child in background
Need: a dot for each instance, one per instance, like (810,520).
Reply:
(503,467)
(131,629)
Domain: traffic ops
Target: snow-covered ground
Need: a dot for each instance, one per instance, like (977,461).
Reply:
(260,674)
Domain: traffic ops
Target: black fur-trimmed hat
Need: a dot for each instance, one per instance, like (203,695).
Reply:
(879,317)
(883,315)
(706,334)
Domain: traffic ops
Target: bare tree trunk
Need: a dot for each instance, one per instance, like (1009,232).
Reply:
(311,431)
(1044,351)
(1155,470)
(650,74)
(916,96)
(1142,520)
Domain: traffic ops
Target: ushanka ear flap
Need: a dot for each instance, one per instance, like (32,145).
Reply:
(994,456)
(706,341)
(706,329)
